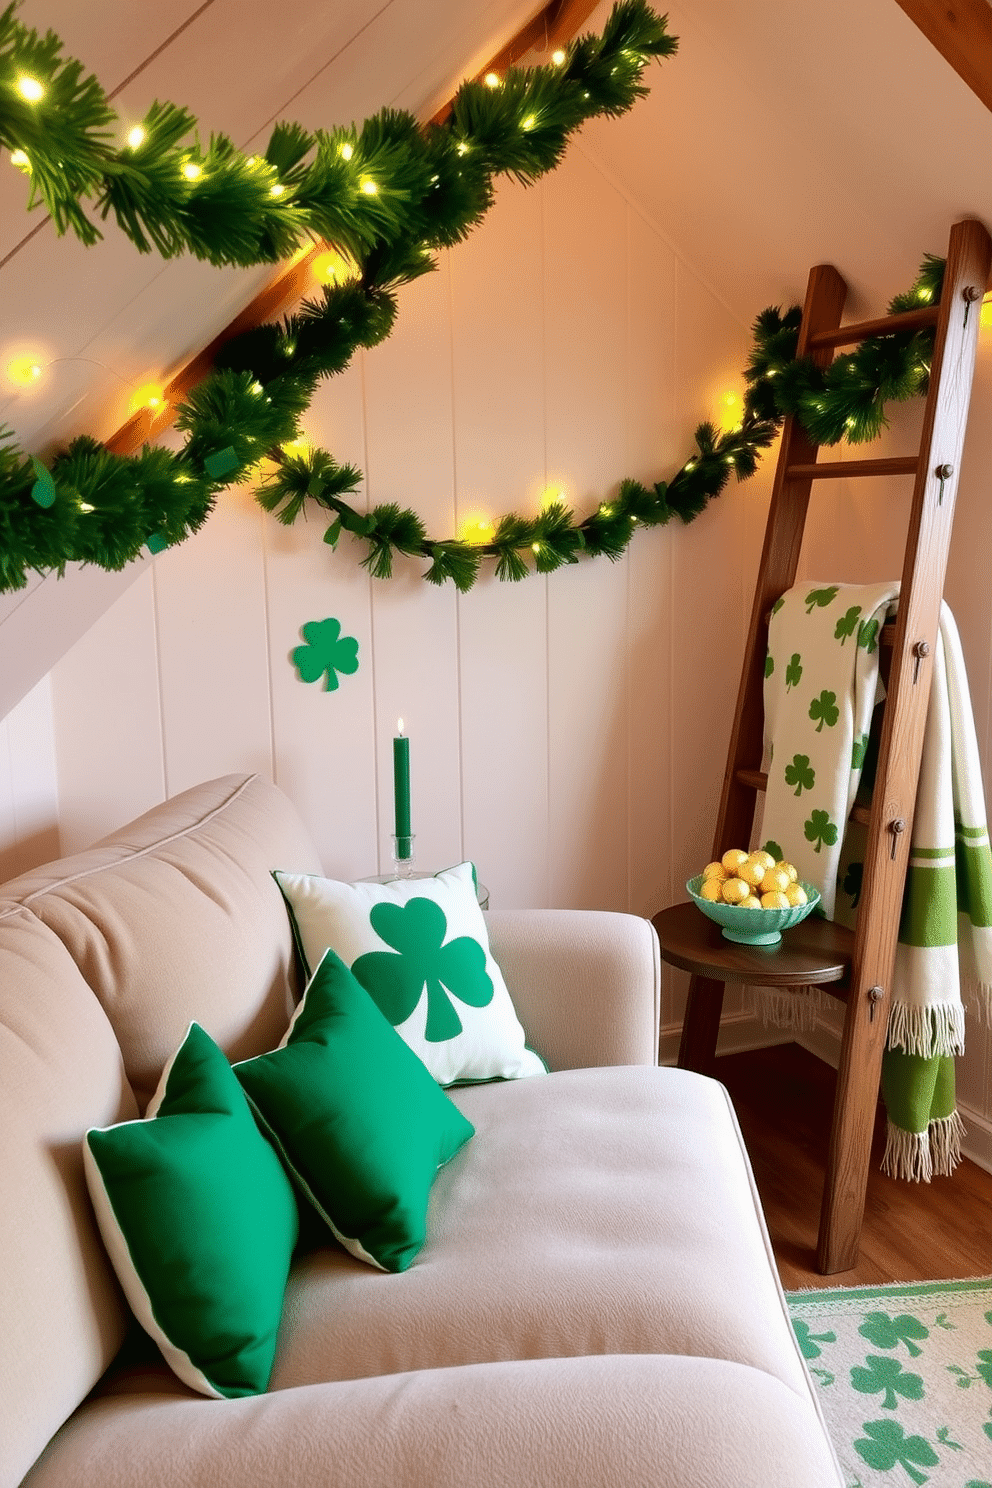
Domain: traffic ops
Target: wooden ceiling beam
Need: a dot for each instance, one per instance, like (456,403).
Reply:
(961,30)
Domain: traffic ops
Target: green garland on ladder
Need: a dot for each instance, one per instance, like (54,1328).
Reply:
(391,193)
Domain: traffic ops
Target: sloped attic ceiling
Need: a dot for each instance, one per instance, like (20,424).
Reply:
(786,132)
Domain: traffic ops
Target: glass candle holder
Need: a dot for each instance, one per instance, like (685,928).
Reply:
(403,856)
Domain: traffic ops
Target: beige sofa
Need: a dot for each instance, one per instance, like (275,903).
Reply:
(596,1302)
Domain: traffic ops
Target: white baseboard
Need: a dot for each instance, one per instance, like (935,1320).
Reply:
(740,1032)
(824,1042)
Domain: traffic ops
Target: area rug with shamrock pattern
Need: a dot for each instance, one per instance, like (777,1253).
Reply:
(904,1375)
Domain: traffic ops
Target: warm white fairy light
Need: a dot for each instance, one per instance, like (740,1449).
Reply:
(558,57)
(24,370)
(149,395)
(30,88)
(18,158)
(493,80)
(277,190)
(370,188)
(136,137)
(346,151)
(192,171)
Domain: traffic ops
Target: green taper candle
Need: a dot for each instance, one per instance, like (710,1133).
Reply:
(401,783)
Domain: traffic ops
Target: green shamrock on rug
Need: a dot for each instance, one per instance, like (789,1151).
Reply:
(809,1343)
(884,1376)
(325,653)
(793,672)
(887,1445)
(396,979)
(888,1332)
(983,1365)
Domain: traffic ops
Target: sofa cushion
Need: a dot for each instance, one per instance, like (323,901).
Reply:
(176,918)
(594,1211)
(62,1316)
(200,1221)
(357,1119)
(641,1421)
(420,947)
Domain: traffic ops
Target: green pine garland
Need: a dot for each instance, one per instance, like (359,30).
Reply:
(390,192)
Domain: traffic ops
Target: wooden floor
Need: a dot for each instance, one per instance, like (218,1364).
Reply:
(912,1231)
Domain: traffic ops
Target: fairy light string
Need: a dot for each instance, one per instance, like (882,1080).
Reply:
(387,195)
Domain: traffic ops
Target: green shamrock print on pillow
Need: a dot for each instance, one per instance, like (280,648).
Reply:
(396,979)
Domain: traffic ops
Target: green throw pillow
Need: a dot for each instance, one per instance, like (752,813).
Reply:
(420,947)
(358,1120)
(200,1221)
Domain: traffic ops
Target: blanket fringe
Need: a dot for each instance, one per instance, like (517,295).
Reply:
(797,1010)
(926,1031)
(979,998)
(916,1157)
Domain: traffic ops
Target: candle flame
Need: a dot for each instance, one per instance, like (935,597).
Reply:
(399,726)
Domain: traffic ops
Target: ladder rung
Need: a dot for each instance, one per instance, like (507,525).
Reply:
(842,469)
(888,325)
(757,780)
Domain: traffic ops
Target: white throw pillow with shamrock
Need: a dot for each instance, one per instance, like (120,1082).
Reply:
(420,948)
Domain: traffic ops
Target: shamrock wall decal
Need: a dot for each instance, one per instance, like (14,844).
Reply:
(396,979)
(325,653)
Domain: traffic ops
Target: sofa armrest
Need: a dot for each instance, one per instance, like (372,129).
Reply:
(586,984)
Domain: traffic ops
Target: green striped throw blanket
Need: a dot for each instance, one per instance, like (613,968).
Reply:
(821,687)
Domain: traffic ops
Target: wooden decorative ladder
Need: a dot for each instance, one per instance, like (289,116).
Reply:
(856,968)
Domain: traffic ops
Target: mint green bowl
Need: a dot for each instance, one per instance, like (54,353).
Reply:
(753,926)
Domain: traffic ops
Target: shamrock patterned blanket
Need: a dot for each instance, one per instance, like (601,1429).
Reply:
(821,687)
